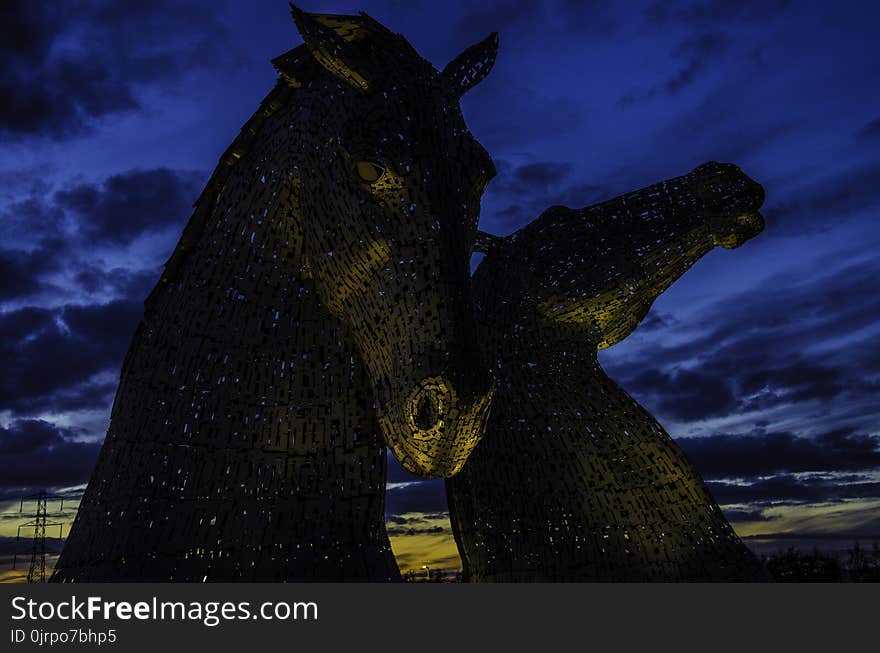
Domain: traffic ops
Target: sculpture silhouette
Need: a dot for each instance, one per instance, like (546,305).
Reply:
(573,479)
(317,304)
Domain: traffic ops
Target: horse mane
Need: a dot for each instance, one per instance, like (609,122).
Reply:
(296,68)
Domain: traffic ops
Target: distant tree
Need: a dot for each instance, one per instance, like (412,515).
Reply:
(857,565)
(792,566)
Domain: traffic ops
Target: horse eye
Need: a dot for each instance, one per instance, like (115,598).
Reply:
(368,171)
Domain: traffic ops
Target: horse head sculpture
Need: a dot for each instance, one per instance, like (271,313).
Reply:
(574,480)
(388,182)
(318,302)
(730,201)
(566,265)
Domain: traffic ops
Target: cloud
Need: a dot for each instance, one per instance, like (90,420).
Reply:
(739,515)
(773,348)
(820,204)
(51,355)
(731,456)
(656,320)
(43,92)
(413,495)
(129,204)
(870,131)
(423,496)
(716,11)
(787,488)
(20,272)
(799,339)
(13,545)
(426,530)
(33,216)
(416,519)
(120,282)
(69,313)
(92,393)
(685,394)
(66,65)
(530,182)
(35,454)
(397,474)
(535,187)
(56,235)
(795,382)
(711,127)
(542,175)
(698,53)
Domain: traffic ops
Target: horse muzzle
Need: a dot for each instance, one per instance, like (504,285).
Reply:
(432,430)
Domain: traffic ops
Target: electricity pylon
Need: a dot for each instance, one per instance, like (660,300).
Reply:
(37,570)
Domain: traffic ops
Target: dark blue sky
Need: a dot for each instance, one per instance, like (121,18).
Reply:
(763,362)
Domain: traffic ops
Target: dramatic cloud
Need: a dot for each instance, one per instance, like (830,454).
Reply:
(408,493)
(698,52)
(781,374)
(67,64)
(821,204)
(800,381)
(759,356)
(51,354)
(656,320)
(54,235)
(399,531)
(37,455)
(539,176)
(536,187)
(731,456)
(120,282)
(786,488)
(685,395)
(422,496)
(129,204)
(735,515)
(32,220)
(45,93)
(63,359)
(20,272)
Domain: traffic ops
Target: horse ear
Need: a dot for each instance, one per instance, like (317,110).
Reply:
(470,67)
(330,49)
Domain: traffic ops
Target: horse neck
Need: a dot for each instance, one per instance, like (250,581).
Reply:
(241,397)
(235,307)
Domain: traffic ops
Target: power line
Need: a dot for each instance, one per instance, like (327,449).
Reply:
(40,522)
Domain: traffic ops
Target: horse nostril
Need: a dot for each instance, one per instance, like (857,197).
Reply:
(427,410)
(430,404)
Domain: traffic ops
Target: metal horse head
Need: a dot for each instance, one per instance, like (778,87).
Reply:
(387,191)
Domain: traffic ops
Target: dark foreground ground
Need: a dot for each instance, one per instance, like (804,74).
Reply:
(855,565)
